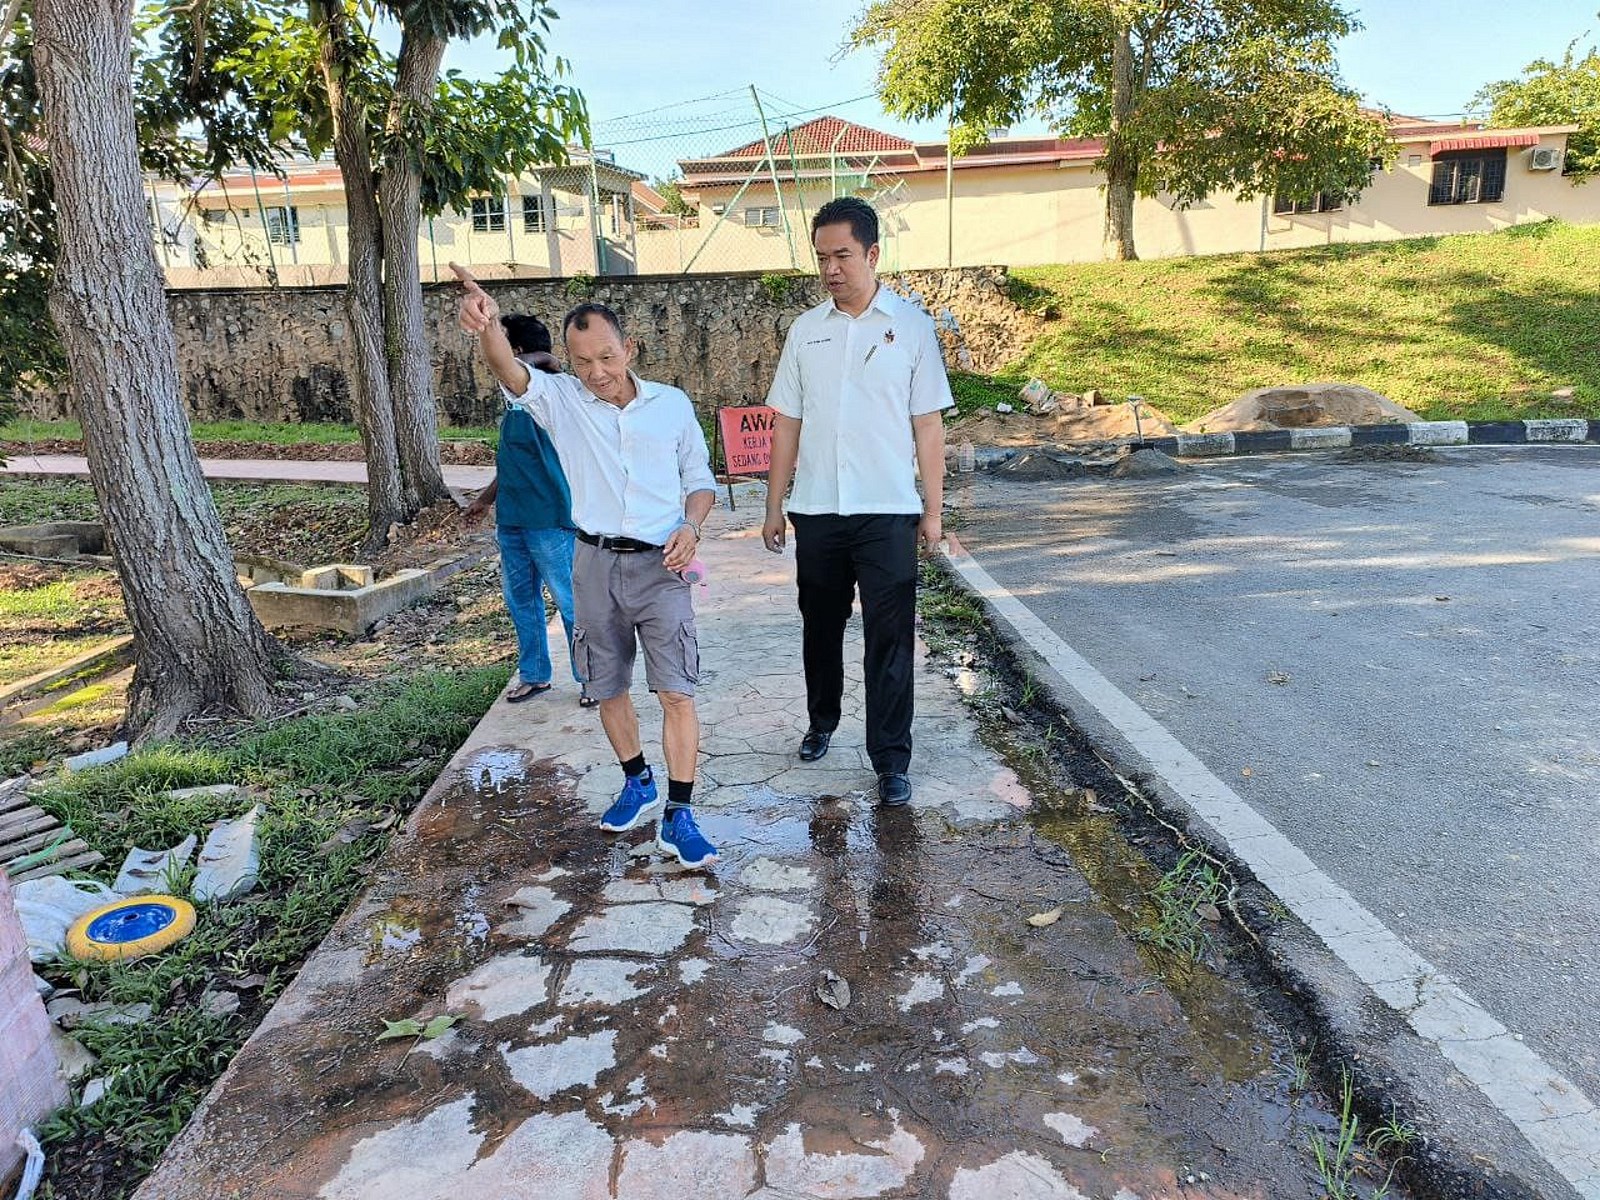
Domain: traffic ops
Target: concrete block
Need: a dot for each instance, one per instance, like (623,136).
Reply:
(1335,437)
(1438,433)
(1201,445)
(54,539)
(352,611)
(1557,429)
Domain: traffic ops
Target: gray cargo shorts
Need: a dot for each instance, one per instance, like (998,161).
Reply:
(618,597)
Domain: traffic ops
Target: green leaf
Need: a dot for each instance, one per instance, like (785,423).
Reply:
(438,1025)
(409,1027)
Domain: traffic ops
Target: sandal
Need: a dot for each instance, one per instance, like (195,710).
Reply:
(526,691)
(584,699)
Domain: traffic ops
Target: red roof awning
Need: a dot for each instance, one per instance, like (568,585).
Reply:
(1494,141)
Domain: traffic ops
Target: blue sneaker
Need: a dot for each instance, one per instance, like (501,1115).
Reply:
(637,804)
(680,837)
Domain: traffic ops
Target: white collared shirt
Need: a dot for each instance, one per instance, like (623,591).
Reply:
(629,468)
(854,383)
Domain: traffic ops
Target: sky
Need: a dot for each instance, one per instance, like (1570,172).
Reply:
(635,58)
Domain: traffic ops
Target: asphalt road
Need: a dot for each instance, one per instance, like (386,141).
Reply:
(1397,663)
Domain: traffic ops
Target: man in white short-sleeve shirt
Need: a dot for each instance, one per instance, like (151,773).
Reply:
(636,461)
(860,393)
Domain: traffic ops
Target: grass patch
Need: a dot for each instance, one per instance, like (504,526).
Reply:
(328,786)
(1187,902)
(26,429)
(34,502)
(1476,327)
(973,391)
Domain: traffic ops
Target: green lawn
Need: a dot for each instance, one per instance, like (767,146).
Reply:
(25,429)
(1477,327)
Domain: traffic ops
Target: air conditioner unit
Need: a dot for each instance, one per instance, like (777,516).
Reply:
(1544,158)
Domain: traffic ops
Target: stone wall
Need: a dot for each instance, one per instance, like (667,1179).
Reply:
(283,355)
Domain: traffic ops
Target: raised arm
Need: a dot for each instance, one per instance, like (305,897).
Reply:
(479,314)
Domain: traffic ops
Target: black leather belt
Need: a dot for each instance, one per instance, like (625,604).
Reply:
(618,545)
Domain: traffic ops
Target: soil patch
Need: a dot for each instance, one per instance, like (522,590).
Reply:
(1366,454)
(1102,423)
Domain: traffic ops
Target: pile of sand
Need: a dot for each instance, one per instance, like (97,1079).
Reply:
(1304,406)
(1102,423)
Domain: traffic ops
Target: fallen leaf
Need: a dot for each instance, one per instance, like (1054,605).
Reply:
(409,1027)
(1208,911)
(1011,715)
(1040,919)
(438,1025)
(833,990)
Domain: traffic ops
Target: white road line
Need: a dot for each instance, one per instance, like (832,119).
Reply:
(1552,1112)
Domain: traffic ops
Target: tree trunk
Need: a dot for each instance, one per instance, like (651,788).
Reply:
(1122,162)
(197,642)
(400,203)
(388,501)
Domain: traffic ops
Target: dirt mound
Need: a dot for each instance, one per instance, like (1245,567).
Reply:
(1142,464)
(1036,467)
(1304,406)
(1102,423)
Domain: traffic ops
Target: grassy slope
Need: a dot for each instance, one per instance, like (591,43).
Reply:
(1472,327)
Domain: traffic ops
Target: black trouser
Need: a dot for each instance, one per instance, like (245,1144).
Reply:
(833,556)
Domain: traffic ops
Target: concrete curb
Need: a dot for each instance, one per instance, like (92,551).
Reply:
(1574,430)
(1471,1148)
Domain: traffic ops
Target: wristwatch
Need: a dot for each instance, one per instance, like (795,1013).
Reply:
(694,527)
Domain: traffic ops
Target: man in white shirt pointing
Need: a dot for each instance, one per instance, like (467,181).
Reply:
(641,482)
(860,393)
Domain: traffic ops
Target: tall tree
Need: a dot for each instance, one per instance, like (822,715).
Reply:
(409,144)
(1189,96)
(1555,93)
(197,642)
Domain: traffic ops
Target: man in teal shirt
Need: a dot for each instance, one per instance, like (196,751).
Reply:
(533,524)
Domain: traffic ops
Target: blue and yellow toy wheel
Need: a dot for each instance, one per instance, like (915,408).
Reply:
(131,928)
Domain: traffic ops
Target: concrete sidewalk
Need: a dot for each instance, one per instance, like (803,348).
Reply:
(255,470)
(630,1030)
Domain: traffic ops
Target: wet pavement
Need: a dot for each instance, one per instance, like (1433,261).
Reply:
(627,1029)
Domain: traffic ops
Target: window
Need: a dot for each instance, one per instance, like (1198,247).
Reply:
(283,225)
(1321,202)
(488,214)
(761,216)
(1468,177)
(533,215)
(616,216)
(213,216)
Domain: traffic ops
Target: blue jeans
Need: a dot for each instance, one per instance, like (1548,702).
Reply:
(531,559)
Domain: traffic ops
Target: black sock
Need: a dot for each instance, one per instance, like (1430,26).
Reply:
(679,794)
(636,766)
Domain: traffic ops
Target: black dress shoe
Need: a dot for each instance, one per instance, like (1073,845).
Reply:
(894,789)
(814,745)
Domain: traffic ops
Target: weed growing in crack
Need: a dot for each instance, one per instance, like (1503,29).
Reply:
(1394,1136)
(1300,1078)
(1336,1162)
(1187,897)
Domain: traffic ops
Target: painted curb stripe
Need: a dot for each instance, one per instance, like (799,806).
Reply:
(1561,1123)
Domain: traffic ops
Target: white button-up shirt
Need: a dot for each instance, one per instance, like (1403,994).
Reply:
(629,468)
(855,383)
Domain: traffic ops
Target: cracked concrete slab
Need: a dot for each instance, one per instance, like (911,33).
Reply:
(631,1031)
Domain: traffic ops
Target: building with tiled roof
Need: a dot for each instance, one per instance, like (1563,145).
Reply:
(1017,201)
